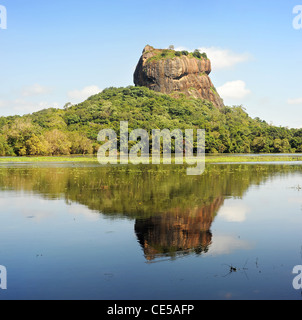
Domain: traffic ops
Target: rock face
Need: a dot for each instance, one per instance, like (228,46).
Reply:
(168,71)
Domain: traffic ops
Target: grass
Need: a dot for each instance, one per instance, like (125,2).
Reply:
(49,159)
(164,54)
(214,90)
(209,159)
(250,158)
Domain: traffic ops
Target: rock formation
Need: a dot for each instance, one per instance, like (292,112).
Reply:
(170,71)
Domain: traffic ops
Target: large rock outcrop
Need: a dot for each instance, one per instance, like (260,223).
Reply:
(168,71)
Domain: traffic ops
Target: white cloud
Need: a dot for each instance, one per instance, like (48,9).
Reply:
(233,90)
(22,106)
(35,90)
(297,101)
(226,244)
(78,96)
(29,107)
(221,58)
(182,48)
(234,212)
(80,210)
(224,58)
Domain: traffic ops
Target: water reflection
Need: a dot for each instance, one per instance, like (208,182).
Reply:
(173,212)
(177,232)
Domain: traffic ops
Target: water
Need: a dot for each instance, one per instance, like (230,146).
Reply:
(112,233)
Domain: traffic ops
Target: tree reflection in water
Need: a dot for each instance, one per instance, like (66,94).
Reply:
(173,212)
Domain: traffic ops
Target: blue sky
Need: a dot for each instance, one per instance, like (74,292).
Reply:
(54,52)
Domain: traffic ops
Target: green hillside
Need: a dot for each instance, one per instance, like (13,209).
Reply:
(74,129)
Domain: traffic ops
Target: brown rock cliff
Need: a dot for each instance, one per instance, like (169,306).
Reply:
(165,71)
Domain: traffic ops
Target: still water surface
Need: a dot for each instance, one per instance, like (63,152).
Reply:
(87,232)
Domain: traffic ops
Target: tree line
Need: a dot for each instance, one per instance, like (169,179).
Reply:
(74,129)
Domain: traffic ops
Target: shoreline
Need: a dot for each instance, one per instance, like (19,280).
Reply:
(248,158)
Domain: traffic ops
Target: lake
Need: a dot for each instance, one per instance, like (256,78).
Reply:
(82,231)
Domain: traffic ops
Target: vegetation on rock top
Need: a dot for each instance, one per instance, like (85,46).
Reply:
(164,54)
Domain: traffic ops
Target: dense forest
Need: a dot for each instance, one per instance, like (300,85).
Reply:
(74,129)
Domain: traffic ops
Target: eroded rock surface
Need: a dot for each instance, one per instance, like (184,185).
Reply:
(164,71)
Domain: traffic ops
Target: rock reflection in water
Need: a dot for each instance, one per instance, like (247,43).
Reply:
(177,232)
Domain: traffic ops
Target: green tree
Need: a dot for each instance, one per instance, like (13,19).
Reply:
(282,146)
(80,144)
(58,142)
(17,134)
(5,149)
(37,146)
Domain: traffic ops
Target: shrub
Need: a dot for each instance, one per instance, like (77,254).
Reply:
(197,54)
(164,53)
(204,55)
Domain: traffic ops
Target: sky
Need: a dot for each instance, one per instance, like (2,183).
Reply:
(54,52)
